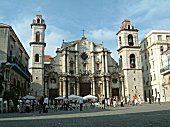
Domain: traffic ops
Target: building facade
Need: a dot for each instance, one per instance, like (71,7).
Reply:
(83,67)
(153,59)
(37,45)
(14,74)
(130,60)
(165,71)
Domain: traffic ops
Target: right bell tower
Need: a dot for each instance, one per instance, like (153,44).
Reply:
(130,60)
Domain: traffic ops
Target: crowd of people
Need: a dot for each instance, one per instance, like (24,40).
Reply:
(120,101)
(43,104)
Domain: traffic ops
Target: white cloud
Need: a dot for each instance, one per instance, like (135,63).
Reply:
(102,34)
(23,30)
(54,39)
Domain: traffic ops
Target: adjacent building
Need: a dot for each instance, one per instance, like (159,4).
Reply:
(154,58)
(14,74)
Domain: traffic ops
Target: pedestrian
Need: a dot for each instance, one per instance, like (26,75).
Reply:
(159,98)
(103,102)
(41,101)
(135,100)
(139,100)
(81,103)
(121,100)
(45,104)
(114,102)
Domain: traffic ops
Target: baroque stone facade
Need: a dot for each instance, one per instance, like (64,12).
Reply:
(83,67)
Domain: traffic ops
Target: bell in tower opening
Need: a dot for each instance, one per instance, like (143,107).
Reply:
(130,40)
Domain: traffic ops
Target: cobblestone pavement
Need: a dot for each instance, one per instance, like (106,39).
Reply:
(147,115)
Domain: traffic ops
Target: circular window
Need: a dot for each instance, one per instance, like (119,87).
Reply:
(84,56)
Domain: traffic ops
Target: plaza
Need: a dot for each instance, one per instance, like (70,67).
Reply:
(146,115)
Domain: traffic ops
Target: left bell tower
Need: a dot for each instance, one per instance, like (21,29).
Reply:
(37,45)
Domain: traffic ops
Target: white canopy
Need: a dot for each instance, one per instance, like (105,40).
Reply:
(89,97)
(59,98)
(72,97)
(29,97)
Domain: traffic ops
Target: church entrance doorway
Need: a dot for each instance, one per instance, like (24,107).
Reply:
(85,89)
(53,93)
(115,92)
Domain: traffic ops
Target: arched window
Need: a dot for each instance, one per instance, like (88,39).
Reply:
(36,57)
(38,36)
(38,20)
(132,61)
(130,40)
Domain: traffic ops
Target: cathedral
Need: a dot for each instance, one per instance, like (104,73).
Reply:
(82,67)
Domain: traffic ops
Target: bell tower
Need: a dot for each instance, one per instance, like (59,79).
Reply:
(37,45)
(130,60)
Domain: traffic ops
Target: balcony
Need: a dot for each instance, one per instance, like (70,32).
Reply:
(19,67)
(165,70)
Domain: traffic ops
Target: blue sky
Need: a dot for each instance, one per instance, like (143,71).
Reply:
(101,19)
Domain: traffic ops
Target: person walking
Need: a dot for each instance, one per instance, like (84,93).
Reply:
(103,102)
(81,103)
(114,102)
(45,104)
(159,98)
(139,100)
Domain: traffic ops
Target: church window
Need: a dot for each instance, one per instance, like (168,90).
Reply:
(161,48)
(151,52)
(145,56)
(130,40)
(120,40)
(132,61)
(114,80)
(98,66)
(84,56)
(159,38)
(128,27)
(167,37)
(38,20)
(38,36)
(154,77)
(36,57)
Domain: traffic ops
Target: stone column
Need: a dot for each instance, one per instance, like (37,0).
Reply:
(69,87)
(106,65)
(93,63)
(78,88)
(77,69)
(68,65)
(60,89)
(94,90)
(103,88)
(107,87)
(103,63)
(64,88)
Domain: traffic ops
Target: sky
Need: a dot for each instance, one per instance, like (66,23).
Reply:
(101,19)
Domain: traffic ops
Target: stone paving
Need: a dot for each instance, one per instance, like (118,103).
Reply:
(147,115)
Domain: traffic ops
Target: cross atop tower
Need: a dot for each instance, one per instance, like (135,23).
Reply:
(83,32)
